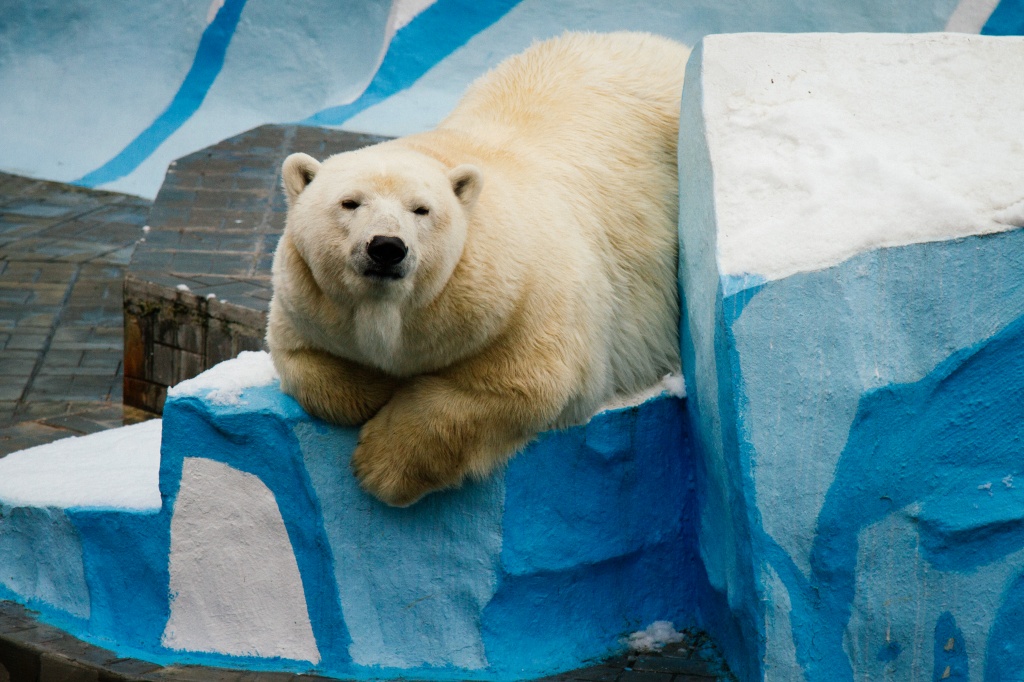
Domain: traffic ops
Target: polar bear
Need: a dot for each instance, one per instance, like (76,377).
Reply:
(462,289)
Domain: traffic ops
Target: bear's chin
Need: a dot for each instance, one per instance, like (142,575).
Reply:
(379,285)
(383,275)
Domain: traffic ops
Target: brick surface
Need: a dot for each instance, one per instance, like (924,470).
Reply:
(672,665)
(598,673)
(21,665)
(56,668)
(129,667)
(63,253)
(217,217)
(630,675)
(199,283)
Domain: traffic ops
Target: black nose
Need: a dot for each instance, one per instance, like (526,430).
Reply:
(386,250)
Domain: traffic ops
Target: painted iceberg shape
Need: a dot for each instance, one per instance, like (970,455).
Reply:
(579,541)
(853,278)
(265,553)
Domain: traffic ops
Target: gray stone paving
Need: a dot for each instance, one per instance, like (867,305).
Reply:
(64,252)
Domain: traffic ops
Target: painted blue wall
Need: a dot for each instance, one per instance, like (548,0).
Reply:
(587,536)
(858,433)
(107,94)
(916,451)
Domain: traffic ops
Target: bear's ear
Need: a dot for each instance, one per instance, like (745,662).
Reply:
(467,181)
(297,172)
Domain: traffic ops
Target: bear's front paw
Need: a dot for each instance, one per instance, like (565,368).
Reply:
(400,470)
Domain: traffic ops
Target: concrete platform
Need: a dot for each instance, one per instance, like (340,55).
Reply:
(853,275)
(31,651)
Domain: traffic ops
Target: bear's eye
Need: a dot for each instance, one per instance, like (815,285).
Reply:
(350,204)
(421,210)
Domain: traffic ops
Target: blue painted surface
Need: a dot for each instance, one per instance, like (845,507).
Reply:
(129,88)
(950,651)
(412,582)
(205,68)
(125,559)
(598,532)
(259,440)
(1004,652)
(927,443)
(426,40)
(1006,20)
(591,526)
(75,103)
(723,524)
(42,564)
(890,460)
(858,433)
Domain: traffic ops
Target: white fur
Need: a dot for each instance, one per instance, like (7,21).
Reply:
(540,277)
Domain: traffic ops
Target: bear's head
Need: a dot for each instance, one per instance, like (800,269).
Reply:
(385,222)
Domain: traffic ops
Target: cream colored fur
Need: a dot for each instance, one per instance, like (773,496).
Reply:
(541,280)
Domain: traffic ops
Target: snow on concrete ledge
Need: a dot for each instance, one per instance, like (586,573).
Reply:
(830,145)
(853,278)
(81,529)
(116,469)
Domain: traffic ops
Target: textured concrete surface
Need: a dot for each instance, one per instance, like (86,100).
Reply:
(591,525)
(63,254)
(857,410)
(31,651)
(131,87)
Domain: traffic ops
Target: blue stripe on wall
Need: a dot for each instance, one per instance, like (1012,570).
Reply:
(433,35)
(1006,20)
(206,66)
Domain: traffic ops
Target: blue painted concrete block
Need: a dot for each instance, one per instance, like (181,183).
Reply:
(853,329)
(584,538)
(259,551)
(82,539)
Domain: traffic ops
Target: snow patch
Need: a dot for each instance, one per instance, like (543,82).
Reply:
(223,383)
(115,469)
(654,637)
(670,384)
(674,385)
(837,144)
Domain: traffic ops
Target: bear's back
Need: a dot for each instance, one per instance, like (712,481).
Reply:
(574,86)
(586,126)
